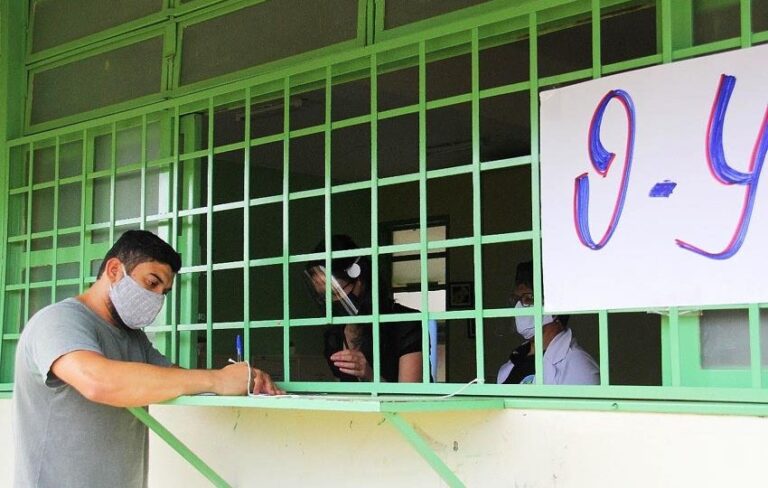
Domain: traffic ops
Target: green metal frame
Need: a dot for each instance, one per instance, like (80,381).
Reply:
(686,388)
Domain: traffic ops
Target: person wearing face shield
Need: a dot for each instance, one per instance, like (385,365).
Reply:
(348,348)
(565,362)
(79,362)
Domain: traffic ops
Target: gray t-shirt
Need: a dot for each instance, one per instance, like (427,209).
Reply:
(62,439)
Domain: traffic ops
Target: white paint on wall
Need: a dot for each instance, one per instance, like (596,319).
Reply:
(512,448)
(6,443)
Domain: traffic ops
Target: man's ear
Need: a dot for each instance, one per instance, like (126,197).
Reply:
(113,269)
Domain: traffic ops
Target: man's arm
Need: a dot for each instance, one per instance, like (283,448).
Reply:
(409,368)
(129,384)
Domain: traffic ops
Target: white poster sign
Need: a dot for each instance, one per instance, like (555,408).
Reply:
(651,188)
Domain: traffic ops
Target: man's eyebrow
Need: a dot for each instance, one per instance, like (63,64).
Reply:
(159,278)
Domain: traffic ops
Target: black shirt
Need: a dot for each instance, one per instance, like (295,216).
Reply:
(524,365)
(395,340)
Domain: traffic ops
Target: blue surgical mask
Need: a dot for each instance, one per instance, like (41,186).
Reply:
(524,324)
(136,306)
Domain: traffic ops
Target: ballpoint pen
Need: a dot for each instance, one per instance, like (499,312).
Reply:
(239,347)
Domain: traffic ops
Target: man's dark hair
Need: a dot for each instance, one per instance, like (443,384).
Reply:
(140,246)
(524,274)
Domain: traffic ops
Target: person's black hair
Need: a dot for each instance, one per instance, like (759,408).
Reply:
(140,246)
(524,274)
(339,242)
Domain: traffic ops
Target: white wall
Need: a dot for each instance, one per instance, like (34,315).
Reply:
(525,448)
(6,443)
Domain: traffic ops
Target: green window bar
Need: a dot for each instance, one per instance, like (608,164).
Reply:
(180,196)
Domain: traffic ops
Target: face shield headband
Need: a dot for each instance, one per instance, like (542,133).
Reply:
(315,278)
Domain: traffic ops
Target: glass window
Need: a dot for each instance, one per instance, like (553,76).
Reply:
(280,28)
(116,76)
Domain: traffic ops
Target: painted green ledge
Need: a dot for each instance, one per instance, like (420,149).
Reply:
(346,403)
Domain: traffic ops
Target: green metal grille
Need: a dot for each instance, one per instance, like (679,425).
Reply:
(175,174)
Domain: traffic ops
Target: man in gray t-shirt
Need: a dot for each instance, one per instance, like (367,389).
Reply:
(78,362)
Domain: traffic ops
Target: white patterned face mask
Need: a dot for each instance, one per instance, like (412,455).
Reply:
(136,306)
(525,325)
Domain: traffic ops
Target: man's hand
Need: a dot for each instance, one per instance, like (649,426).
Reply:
(354,363)
(232,380)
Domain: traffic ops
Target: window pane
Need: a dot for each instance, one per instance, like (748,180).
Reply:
(56,22)
(351,154)
(634,339)
(724,336)
(449,136)
(401,12)
(565,50)
(504,64)
(714,21)
(398,151)
(98,81)
(505,126)
(629,33)
(506,200)
(281,29)
(449,201)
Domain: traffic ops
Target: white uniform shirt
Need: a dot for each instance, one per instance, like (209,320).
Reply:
(565,363)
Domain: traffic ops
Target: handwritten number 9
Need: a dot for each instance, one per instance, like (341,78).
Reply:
(601,160)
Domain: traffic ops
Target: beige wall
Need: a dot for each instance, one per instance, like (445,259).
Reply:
(525,448)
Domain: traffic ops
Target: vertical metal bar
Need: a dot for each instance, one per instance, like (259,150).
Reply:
(85,186)
(745,20)
(370,22)
(424,256)
(143,192)
(596,46)
(375,213)
(191,128)
(112,182)
(666,31)
(379,13)
(477,216)
(602,321)
(536,218)
(674,345)
(174,143)
(755,356)
(247,228)
(54,269)
(209,245)
(5,184)
(27,264)
(327,195)
(286,228)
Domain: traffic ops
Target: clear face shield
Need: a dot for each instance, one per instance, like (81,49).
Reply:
(315,278)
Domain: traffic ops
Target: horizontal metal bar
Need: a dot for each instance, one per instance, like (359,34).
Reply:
(235,146)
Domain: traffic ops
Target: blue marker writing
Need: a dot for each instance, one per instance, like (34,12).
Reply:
(726,174)
(601,161)
(662,189)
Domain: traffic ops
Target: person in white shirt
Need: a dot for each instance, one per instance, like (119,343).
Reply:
(565,362)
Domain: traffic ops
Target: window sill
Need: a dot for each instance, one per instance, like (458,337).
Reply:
(346,403)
